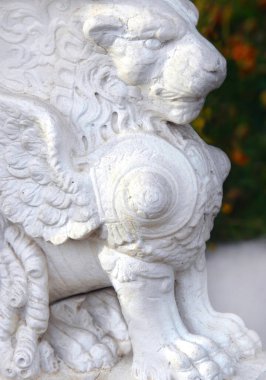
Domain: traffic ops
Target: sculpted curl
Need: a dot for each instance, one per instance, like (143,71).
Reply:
(107,195)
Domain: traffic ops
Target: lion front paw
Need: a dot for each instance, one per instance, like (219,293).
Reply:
(229,332)
(248,341)
(173,366)
(179,361)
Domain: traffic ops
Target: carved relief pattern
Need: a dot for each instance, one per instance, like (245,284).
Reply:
(104,183)
(33,177)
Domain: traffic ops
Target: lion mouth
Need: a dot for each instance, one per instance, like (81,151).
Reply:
(173,97)
(184,102)
(186,99)
(179,108)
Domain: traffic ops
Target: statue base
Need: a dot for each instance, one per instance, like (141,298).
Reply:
(253,369)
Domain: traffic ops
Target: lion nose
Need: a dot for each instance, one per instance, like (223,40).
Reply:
(215,66)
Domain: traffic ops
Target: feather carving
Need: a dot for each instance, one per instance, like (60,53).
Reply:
(39,187)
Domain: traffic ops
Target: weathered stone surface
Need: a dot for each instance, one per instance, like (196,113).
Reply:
(103,183)
(253,369)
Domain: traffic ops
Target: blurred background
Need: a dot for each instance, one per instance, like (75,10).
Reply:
(234,117)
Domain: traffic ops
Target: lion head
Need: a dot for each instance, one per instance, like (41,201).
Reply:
(97,58)
(155,47)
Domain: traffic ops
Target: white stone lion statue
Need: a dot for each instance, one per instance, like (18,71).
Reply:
(103,183)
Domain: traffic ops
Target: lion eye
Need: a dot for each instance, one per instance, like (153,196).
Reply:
(153,44)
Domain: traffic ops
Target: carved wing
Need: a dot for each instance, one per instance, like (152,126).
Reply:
(39,187)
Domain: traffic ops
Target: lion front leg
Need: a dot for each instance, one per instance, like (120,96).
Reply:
(146,294)
(227,330)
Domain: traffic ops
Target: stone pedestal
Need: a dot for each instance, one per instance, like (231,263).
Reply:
(254,369)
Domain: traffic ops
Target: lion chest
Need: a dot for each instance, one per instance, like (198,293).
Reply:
(157,197)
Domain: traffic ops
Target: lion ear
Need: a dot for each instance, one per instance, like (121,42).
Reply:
(103,30)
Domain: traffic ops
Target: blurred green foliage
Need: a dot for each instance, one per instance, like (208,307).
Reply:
(234,117)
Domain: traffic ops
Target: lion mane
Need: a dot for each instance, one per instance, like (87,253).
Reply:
(80,80)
